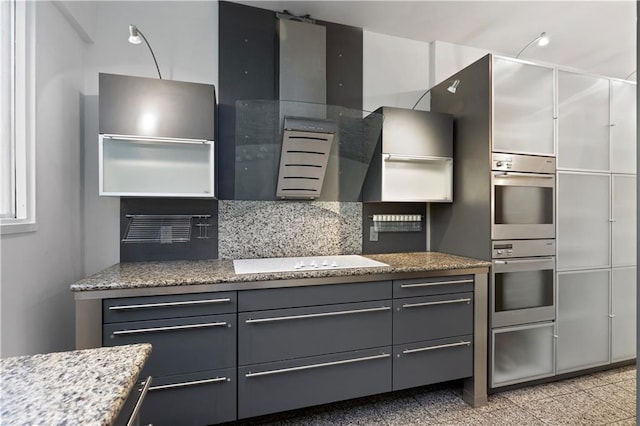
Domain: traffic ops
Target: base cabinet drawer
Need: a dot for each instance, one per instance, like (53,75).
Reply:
(266,336)
(281,386)
(434,361)
(432,286)
(434,317)
(191,399)
(180,345)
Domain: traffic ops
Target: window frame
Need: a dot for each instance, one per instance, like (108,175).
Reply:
(23,120)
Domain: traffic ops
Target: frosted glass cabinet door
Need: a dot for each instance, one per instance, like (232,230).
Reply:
(623,127)
(623,314)
(583,122)
(583,220)
(582,319)
(522,108)
(623,241)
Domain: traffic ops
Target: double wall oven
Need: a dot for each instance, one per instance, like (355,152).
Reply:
(522,285)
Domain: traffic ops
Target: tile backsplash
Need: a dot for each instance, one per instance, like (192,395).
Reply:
(256,229)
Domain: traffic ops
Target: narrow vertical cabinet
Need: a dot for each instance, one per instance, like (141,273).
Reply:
(582,320)
(583,122)
(623,220)
(583,215)
(518,126)
(623,127)
(623,314)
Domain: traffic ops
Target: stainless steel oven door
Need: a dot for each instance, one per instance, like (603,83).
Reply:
(522,291)
(522,205)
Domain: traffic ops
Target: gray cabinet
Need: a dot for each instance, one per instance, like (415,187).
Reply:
(582,319)
(623,216)
(523,108)
(623,127)
(623,313)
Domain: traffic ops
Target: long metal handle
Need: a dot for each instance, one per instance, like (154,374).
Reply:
(431,348)
(436,283)
(171,328)
(536,260)
(310,366)
(323,314)
(168,304)
(193,383)
(504,175)
(466,300)
(133,419)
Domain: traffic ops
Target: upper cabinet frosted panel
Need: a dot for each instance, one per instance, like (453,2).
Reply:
(523,100)
(583,122)
(158,108)
(623,127)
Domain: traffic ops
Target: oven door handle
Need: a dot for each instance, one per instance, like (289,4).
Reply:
(504,175)
(520,261)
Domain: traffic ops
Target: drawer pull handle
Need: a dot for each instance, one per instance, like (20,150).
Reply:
(168,304)
(175,327)
(143,392)
(466,300)
(431,348)
(323,314)
(324,364)
(193,383)
(469,281)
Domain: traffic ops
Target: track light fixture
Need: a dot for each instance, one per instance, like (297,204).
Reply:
(542,40)
(134,38)
(451,89)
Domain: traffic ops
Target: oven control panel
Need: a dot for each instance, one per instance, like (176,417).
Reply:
(523,248)
(522,163)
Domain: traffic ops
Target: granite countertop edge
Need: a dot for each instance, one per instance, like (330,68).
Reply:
(203,272)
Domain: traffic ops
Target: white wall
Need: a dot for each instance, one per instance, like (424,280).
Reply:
(448,58)
(395,71)
(184,38)
(37,267)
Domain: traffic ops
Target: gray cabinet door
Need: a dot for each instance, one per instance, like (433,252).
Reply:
(181,345)
(623,213)
(433,317)
(433,361)
(623,313)
(523,108)
(583,220)
(266,336)
(583,320)
(431,286)
(623,127)
(281,386)
(583,122)
(191,399)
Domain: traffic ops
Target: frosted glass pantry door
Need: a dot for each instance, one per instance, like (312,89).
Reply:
(623,314)
(623,241)
(583,220)
(623,127)
(583,320)
(522,108)
(583,122)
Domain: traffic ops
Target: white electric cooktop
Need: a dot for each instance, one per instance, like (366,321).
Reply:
(290,264)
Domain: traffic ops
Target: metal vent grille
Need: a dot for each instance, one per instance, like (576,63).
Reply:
(303,163)
(159,228)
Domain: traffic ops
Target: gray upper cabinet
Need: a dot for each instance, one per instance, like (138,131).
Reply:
(138,106)
(523,108)
(623,127)
(583,122)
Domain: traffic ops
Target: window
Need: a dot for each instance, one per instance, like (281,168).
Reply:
(17,178)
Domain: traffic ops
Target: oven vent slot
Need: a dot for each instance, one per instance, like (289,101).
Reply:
(397,222)
(165,229)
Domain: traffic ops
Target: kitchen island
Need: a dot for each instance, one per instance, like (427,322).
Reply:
(88,387)
(223,341)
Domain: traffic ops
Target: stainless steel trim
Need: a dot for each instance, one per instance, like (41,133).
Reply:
(155,139)
(416,158)
(168,304)
(436,283)
(441,302)
(310,366)
(323,314)
(192,383)
(504,175)
(430,348)
(133,419)
(175,327)
(516,261)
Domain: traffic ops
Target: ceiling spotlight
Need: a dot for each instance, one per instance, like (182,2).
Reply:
(542,40)
(134,38)
(454,86)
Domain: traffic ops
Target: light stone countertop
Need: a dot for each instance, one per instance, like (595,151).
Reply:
(83,387)
(193,272)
